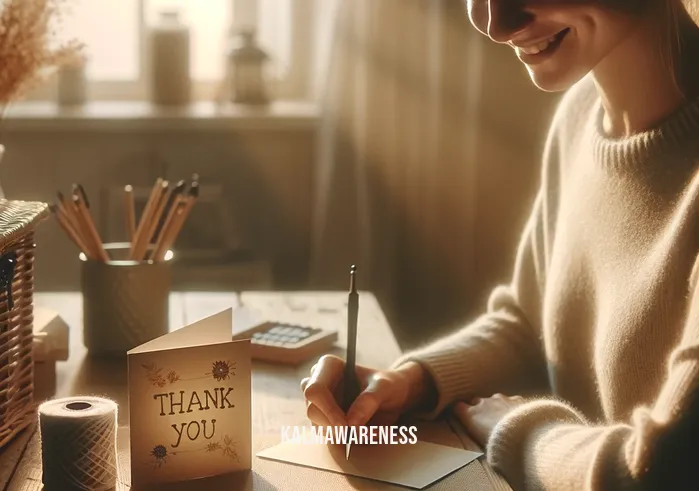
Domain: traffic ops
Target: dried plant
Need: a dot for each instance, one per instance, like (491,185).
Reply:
(29,46)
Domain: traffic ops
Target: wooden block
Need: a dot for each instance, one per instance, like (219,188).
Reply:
(51,336)
(45,382)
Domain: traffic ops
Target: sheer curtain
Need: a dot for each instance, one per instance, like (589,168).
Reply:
(397,148)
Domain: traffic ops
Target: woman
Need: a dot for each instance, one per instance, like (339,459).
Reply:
(596,339)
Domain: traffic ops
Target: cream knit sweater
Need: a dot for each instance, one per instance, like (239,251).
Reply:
(601,319)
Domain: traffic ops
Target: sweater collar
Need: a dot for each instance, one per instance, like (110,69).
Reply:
(671,135)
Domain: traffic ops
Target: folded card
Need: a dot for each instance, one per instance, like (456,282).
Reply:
(190,404)
(415,465)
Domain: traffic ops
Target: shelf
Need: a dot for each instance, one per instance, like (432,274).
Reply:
(143,116)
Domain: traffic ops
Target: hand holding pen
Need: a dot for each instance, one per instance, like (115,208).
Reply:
(376,397)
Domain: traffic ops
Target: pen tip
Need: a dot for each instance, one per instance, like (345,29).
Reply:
(194,190)
(353,284)
(53,208)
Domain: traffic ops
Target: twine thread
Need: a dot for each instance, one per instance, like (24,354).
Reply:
(79,444)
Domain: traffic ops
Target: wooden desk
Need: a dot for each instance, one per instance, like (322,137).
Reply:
(277,398)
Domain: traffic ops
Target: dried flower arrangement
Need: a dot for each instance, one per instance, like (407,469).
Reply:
(29,47)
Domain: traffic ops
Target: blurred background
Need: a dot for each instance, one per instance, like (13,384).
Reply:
(386,133)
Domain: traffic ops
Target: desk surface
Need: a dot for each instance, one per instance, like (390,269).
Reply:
(276,393)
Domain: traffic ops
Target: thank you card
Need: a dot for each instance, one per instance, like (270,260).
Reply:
(190,404)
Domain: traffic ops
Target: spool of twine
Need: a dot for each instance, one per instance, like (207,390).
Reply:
(78,444)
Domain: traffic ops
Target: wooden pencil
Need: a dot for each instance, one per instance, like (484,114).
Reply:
(86,219)
(66,208)
(146,217)
(178,222)
(161,216)
(81,227)
(62,215)
(129,213)
(68,229)
(80,191)
(167,234)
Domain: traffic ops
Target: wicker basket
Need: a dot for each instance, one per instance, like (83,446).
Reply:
(17,222)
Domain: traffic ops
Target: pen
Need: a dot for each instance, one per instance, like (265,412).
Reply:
(351,384)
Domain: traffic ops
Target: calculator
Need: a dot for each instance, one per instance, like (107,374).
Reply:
(286,343)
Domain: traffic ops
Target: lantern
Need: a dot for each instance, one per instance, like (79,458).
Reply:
(248,66)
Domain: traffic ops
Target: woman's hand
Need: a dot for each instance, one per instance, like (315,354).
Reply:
(385,394)
(482,415)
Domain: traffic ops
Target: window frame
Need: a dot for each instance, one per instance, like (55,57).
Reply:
(294,85)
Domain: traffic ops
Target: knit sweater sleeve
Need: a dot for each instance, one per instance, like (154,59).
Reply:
(501,350)
(547,445)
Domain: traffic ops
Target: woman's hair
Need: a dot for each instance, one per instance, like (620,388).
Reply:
(672,13)
(670,16)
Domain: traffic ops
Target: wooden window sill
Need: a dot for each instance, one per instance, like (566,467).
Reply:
(142,116)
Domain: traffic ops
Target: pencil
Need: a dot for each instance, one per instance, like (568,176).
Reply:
(139,244)
(129,212)
(68,229)
(147,238)
(81,227)
(62,215)
(146,210)
(66,208)
(167,235)
(80,191)
(174,228)
(161,215)
(86,218)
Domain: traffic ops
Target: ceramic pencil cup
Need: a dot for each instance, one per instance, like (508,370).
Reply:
(125,302)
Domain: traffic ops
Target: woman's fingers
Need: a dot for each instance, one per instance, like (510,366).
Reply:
(318,390)
(461,409)
(316,416)
(319,396)
(369,401)
(384,418)
(328,371)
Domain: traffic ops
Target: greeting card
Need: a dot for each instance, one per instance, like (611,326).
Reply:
(190,404)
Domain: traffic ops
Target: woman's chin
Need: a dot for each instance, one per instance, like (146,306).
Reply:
(555,80)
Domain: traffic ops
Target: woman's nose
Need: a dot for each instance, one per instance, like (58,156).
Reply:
(500,20)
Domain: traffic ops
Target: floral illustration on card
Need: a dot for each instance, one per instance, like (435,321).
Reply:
(225,447)
(222,370)
(157,378)
(159,453)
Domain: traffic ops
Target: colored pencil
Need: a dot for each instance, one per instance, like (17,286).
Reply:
(129,212)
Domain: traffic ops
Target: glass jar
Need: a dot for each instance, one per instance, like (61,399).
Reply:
(247,63)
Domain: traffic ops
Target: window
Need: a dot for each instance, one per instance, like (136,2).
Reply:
(114,32)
